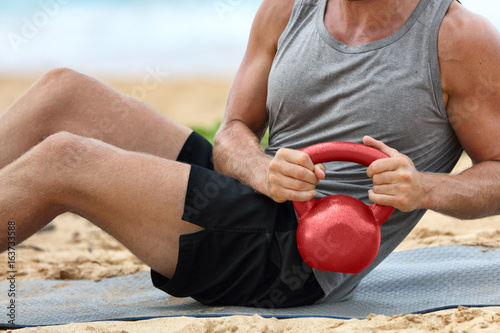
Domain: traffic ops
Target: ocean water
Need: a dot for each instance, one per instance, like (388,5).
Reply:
(130,38)
(125,37)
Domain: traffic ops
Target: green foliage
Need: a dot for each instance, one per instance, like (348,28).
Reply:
(208,132)
(265,140)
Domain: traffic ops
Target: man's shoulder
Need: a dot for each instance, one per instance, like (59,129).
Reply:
(463,34)
(276,9)
(271,20)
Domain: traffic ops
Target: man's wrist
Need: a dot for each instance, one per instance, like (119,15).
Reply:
(260,177)
(428,197)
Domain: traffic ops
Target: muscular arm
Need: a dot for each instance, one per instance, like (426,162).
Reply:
(237,150)
(469,50)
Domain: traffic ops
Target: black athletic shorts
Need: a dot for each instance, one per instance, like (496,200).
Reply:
(247,253)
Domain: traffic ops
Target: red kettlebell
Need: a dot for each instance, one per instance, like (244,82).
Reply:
(339,233)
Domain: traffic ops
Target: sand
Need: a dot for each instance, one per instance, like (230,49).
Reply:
(72,248)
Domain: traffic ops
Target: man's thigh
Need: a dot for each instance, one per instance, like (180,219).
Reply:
(65,100)
(135,197)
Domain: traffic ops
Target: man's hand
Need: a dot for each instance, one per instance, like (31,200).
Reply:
(293,176)
(397,182)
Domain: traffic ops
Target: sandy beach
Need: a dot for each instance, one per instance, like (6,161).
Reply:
(72,248)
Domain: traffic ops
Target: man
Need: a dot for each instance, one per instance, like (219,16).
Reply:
(421,76)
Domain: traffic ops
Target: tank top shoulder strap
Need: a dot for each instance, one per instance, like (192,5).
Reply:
(301,8)
(434,18)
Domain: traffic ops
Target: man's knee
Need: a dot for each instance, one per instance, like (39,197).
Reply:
(56,90)
(54,162)
(60,80)
(60,75)
(64,150)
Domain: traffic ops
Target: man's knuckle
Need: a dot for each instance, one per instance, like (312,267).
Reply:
(271,179)
(303,158)
(303,186)
(281,151)
(275,192)
(302,174)
(374,168)
(302,196)
(402,160)
(274,164)
(405,176)
(402,201)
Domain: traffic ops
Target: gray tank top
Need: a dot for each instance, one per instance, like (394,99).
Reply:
(323,90)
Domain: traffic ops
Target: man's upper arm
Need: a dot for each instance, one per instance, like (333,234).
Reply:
(469,52)
(248,95)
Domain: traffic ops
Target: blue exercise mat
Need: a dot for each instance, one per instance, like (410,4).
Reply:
(414,281)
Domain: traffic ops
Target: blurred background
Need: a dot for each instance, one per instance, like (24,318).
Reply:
(177,55)
(122,38)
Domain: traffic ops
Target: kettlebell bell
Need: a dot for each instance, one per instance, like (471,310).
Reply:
(339,233)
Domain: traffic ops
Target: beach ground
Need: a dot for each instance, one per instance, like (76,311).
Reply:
(75,249)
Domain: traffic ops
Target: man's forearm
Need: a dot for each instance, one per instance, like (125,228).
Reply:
(474,193)
(237,153)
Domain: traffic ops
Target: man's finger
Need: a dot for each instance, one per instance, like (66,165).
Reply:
(293,183)
(300,195)
(381,199)
(385,190)
(296,157)
(299,173)
(385,178)
(320,171)
(369,141)
(295,164)
(382,165)
(282,194)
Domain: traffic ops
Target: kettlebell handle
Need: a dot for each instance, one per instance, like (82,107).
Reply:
(348,152)
(343,151)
